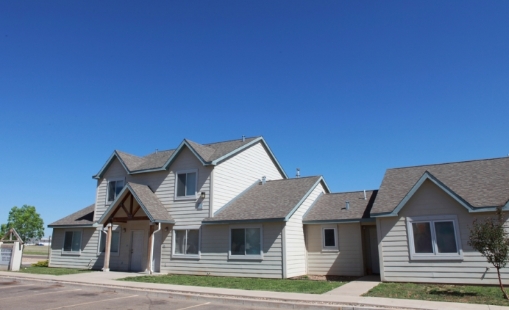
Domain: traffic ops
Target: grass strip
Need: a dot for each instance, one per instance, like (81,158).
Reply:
(274,285)
(490,295)
(52,270)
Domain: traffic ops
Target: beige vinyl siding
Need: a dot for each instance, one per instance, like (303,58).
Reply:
(348,261)
(234,175)
(428,200)
(88,256)
(215,243)
(294,234)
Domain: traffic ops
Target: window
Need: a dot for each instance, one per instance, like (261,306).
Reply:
(329,238)
(246,243)
(72,242)
(186,184)
(114,188)
(434,237)
(115,242)
(186,243)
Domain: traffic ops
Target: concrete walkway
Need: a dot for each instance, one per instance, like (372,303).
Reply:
(331,300)
(357,287)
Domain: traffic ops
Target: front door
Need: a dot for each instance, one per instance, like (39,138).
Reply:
(137,250)
(375,264)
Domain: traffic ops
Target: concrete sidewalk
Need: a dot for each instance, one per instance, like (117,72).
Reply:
(331,300)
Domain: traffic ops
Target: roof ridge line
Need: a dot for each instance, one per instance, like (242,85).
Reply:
(207,144)
(450,163)
(360,191)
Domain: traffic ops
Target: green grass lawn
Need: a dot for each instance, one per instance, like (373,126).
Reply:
(35,250)
(490,295)
(275,285)
(52,271)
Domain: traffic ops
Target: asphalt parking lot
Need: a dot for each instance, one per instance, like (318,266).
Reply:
(48,296)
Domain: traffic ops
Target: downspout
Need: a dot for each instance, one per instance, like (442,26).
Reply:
(152,249)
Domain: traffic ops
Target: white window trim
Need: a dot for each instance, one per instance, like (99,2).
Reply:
(189,197)
(185,256)
(245,256)
(108,202)
(336,239)
(72,253)
(113,229)
(435,255)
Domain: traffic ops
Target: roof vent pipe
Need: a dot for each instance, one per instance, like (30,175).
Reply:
(298,173)
(365,195)
(347,205)
(243,138)
(157,150)
(264,179)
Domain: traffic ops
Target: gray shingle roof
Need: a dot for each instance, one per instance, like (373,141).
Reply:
(273,200)
(332,207)
(481,183)
(208,153)
(152,204)
(84,216)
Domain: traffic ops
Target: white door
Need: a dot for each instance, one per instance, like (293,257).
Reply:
(137,250)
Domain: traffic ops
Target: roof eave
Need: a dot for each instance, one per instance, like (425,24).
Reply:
(243,221)
(108,163)
(336,221)
(74,226)
(426,176)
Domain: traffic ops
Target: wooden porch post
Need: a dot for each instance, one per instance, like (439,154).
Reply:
(107,249)
(150,241)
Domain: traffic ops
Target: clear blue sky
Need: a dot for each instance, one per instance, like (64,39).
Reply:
(344,89)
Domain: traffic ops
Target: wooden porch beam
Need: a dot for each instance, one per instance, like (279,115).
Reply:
(134,218)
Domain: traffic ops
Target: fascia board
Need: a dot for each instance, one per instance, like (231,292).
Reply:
(413,190)
(259,139)
(215,162)
(177,151)
(289,215)
(312,205)
(332,221)
(242,221)
(74,226)
(108,163)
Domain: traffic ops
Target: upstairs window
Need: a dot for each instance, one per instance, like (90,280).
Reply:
(434,237)
(186,184)
(114,188)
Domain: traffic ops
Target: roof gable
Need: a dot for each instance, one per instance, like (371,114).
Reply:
(480,185)
(83,217)
(207,154)
(146,199)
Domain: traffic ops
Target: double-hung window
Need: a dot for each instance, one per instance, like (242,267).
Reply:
(186,243)
(434,237)
(114,188)
(72,242)
(329,238)
(115,242)
(186,184)
(246,243)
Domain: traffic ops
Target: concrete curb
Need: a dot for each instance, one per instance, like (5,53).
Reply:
(247,301)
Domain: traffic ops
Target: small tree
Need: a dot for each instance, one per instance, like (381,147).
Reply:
(490,239)
(27,222)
